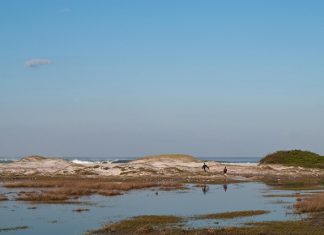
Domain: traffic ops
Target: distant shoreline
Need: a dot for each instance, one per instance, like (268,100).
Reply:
(91,160)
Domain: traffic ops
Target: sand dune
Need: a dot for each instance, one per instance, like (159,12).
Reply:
(164,165)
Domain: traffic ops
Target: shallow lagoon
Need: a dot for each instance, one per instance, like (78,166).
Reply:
(60,218)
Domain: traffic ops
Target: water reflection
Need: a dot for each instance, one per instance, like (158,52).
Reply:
(225,187)
(205,189)
(53,219)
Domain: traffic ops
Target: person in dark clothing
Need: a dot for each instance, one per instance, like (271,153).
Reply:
(225,171)
(205,167)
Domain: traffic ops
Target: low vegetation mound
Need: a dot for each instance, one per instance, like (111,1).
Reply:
(33,158)
(314,203)
(154,225)
(171,157)
(13,228)
(3,197)
(146,224)
(295,158)
(64,189)
(233,214)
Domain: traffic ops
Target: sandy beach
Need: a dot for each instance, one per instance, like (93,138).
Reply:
(162,166)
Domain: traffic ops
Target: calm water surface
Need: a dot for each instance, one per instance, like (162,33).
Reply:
(61,219)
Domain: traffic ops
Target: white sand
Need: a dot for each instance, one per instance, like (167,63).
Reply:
(161,166)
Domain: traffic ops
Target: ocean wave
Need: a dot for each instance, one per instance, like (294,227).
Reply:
(240,163)
(88,162)
(7,160)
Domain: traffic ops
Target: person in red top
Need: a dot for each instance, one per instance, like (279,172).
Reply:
(225,171)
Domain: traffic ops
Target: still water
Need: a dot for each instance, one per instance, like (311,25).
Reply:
(61,219)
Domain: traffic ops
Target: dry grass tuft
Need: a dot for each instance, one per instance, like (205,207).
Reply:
(311,204)
(3,197)
(42,197)
(139,225)
(153,225)
(37,183)
(13,228)
(294,183)
(171,186)
(64,188)
(232,214)
(109,192)
(81,210)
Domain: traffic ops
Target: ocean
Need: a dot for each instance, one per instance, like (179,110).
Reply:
(88,160)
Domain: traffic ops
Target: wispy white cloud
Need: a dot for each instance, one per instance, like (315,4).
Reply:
(34,63)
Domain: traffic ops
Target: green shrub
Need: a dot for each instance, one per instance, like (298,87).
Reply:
(295,158)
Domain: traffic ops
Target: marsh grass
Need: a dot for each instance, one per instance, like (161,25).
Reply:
(63,189)
(294,183)
(3,197)
(13,228)
(281,195)
(308,204)
(81,210)
(109,192)
(139,225)
(232,214)
(168,186)
(48,183)
(42,197)
(146,225)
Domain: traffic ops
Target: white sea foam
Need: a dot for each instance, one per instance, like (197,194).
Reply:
(84,162)
(8,160)
(240,163)
(77,161)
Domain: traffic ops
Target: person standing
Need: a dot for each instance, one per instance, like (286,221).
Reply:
(205,167)
(225,172)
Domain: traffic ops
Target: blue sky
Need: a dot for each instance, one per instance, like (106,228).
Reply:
(131,78)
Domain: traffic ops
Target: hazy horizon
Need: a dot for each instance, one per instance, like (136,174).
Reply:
(134,78)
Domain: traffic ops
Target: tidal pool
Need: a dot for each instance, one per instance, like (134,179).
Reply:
(62,219)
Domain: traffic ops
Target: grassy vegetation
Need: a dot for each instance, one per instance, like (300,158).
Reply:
(81,210)
(60,189)
(180,157)
(280,195)
(139,225)
(33,158)
(13,228)
(232,214)
(295,158)
(314,203)
(294,182)
(3,197)
(147,225)
(42,197)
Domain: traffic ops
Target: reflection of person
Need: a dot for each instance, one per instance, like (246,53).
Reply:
(225,173)
(225,187)
(205,189)
(205,167)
